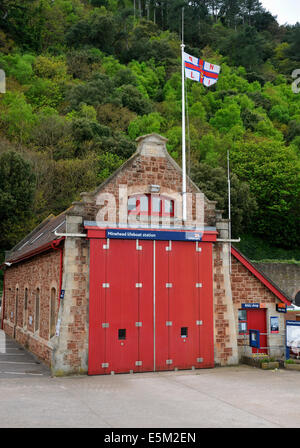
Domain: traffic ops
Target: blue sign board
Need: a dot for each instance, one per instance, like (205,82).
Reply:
(254,338)
(163,235)
(250,305)
(62,293)
(292,338)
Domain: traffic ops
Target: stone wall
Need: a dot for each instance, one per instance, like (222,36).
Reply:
(40,272)
(246,288)
(285,275)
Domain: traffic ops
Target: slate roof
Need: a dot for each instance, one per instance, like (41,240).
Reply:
(42,235)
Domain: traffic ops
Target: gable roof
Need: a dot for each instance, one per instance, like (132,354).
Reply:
(283,297)
(40,237)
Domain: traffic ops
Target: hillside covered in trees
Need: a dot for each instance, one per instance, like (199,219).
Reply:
(84,78)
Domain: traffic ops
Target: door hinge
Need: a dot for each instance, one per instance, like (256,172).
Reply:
(106,246)
(104,365)
(169,361)
(168,323)
(198,249)
(138,324)
(199,359)
(199,322)
(138,363)
(139,285)
(105,285)
(198,285)
(138,247)
(169,285)
(169,248)
(105,325)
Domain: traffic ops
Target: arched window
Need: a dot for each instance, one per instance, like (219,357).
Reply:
(16,306)
(25,319)
(37,310)
(150,205)
(52,311)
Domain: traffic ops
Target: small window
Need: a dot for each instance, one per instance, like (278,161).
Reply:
(52,312)
(37,310)
(184,332)
(146,204)
(156,204)
(243,325)
(122,334)
(132,204)
(25,308)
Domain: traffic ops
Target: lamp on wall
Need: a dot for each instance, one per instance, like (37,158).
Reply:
(154,188)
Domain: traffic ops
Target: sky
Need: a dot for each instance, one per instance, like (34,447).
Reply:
(287,11)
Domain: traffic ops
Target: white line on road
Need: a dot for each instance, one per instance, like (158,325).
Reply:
(16,362)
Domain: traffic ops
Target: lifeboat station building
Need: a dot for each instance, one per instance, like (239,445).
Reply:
(120,283)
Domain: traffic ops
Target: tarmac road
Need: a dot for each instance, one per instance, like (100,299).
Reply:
(229,397)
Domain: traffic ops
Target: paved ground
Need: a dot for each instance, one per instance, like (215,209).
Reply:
(230,397)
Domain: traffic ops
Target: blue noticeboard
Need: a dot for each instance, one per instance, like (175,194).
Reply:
(292,338)
(254,338)
(163,235)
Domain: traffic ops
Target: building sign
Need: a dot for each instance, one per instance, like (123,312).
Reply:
(292,339)
(281,307)
(251,305)
(274,324)
(153,235)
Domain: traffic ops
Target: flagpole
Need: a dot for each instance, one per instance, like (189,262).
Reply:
(184,217)
(229,208)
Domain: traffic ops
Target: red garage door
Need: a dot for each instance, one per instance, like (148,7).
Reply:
(150,306)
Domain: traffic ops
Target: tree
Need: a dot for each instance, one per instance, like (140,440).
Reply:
(212,181)
(17,185)
(272,171)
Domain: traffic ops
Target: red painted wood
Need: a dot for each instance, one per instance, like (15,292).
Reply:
(162,331)
(97,312)
(122,303)
(205,297)
(257,321)
(145,307)
(183,305)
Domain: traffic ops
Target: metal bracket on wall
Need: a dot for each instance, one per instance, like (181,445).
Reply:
(138,324)
(199,322)
(169,323)
(198,285)
(169,361)
(105,325)
(169,285)
(104,365)
(105,285)
(138,363)
(139,285)
(198,249)
(106,246)
(169,248)
(199,359)
(138,247)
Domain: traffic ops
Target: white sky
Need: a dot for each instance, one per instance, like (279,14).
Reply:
(287,11)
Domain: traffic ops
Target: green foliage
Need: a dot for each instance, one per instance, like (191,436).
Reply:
(272,171)
(17,185)
(86,77)
(145,125)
